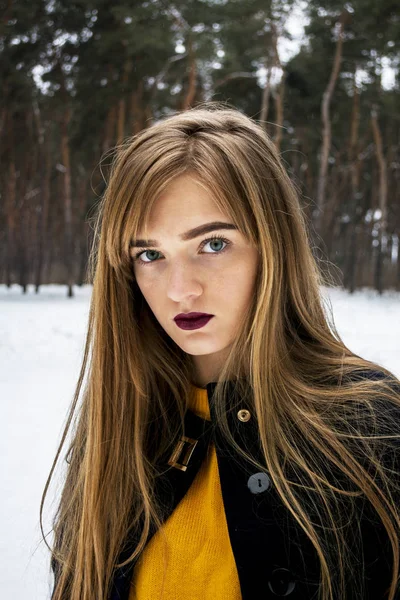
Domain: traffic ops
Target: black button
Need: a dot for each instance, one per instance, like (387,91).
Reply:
(282,582)
(259,482)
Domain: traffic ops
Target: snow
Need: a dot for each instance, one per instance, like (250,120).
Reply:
(41,346)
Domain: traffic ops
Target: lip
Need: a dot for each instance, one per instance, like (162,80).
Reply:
(192,315)
(193,323)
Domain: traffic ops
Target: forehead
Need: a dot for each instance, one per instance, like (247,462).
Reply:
(186,194)
(184,200)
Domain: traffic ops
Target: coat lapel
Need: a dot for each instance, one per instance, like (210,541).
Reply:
(259,525)
(187,454)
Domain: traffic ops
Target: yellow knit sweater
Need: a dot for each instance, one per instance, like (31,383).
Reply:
(200,562)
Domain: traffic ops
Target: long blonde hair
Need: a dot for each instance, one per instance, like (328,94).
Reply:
(303,379)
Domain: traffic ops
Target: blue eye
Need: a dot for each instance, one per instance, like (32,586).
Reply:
(203,243)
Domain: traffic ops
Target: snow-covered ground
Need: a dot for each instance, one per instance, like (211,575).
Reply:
(41,346)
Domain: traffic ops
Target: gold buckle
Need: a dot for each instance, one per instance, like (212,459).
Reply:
(182,465)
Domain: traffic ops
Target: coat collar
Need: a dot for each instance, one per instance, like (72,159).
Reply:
(179,467)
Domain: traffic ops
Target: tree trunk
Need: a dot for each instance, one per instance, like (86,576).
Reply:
(43,216)
(10,201)
(334,227)
(68,239)
(191,93)
(382,197)
(280,90)
(267,90)
(26,194)
(82,229)
(122,101)
(398,264)
(137,115)
(279,113)
(355,210)
(265,101)
(326,124)
(109,129)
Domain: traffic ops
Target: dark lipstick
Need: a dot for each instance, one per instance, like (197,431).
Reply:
(193,320)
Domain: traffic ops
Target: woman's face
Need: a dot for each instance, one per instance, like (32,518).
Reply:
(181,276)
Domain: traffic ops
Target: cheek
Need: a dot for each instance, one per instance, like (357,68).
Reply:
(144,280)
(153,301)
(238,288)
(147,291)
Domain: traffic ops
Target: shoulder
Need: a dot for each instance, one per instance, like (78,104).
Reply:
(378,451)
(375,410)
(370,425)
(359,432)
(381,395)
(379,376)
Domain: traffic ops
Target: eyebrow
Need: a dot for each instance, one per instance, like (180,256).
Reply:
(188,235)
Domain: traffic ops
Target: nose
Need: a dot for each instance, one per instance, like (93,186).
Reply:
(183,284)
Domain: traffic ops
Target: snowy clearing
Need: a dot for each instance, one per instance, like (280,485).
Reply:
(41,346)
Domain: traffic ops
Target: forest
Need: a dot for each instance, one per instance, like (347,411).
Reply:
(78,77)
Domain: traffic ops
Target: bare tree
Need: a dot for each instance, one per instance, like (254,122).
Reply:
(326,120)
(382,198)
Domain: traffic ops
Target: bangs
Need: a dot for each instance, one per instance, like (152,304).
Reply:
(219,163)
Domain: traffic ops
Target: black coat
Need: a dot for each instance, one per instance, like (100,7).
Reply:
(273,555)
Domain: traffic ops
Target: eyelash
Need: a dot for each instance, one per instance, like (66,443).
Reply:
(203,243)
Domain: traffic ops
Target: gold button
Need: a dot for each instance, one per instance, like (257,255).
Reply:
(244,415)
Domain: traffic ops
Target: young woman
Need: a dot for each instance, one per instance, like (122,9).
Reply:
(243,453)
